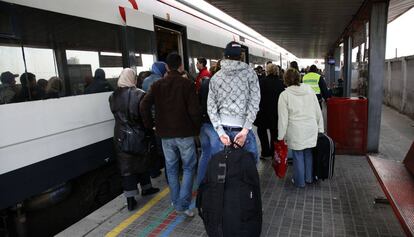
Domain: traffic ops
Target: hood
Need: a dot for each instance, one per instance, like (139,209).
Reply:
(99,74)
(159,68)
(301,90)
(232,66)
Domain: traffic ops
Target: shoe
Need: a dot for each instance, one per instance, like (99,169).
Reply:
(131,203)
(188,213)
(155,174)
(149,191)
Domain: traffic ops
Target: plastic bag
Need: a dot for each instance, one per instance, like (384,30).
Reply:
(279,160)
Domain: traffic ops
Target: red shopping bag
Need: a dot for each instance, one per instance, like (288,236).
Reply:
(279,160)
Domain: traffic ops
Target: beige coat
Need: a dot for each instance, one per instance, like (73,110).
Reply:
(300,117)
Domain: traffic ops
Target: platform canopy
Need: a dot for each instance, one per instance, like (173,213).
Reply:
(308,29)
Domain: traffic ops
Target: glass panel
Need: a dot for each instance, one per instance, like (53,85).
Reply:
(83,66)
(147,61)
(11,67)
(42,64)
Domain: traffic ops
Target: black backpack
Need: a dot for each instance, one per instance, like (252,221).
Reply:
(228,199)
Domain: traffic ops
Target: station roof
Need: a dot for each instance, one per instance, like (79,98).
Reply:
(308,29)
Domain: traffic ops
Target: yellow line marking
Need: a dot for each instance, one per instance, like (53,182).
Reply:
(117,230)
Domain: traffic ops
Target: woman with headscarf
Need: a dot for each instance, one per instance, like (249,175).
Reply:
(158,70)
(125,103)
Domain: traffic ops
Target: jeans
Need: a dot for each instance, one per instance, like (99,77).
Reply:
(184,149)
(210,145)
(250,144)
(302,166)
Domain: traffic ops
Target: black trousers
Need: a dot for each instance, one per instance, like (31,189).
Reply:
(267,147)
(129,182)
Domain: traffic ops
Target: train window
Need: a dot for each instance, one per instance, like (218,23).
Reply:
(83,65)
(11,67)
(40,62)
(147,61)
(18,86)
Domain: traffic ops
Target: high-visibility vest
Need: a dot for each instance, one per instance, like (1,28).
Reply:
(312,79)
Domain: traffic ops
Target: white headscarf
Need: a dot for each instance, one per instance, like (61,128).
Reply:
(127,78)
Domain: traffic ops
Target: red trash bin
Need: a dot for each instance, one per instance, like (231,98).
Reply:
(347,124)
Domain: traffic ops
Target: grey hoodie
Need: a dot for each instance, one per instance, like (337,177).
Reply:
(234,96)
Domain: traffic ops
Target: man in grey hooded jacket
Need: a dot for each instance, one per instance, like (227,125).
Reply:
(233,101)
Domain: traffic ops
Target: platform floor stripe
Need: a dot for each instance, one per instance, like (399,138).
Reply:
(177,221)
(123,225)
(164,216)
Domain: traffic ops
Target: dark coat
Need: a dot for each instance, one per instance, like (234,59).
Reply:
(177,109)
(99,83)
(270,88)
(118,101)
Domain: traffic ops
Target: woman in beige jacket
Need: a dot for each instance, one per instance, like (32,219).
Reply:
(300,120)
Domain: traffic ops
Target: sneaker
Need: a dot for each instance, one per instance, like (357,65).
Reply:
(188,213)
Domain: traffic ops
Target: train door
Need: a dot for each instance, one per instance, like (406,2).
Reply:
(170,38)
(245,54)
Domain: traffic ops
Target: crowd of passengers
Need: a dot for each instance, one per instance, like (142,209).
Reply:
(31,89)
(174,115)
(217,109)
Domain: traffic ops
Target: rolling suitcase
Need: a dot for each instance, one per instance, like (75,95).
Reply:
(228,199)
(323,157)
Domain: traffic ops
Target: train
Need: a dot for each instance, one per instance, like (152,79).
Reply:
(56,157)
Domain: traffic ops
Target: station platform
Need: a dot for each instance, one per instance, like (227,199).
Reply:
(342,206)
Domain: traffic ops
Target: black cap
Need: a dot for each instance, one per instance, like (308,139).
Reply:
(232,49)
(8,77)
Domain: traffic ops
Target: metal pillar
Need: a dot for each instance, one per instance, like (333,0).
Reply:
(347,66)
(377,38)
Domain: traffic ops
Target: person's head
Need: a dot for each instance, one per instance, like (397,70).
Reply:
(8,78)
(141,76)
(127,78)
(174,62)
(28,79)
(272,69)
(291,77)
(313,68)
(233,51)
(268,62)
(159,68)
(294,65)
(99,74)
(54,85)
(42,83)
(201,63)
(215,68)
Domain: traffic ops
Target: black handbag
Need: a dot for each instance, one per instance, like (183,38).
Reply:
(131,139)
